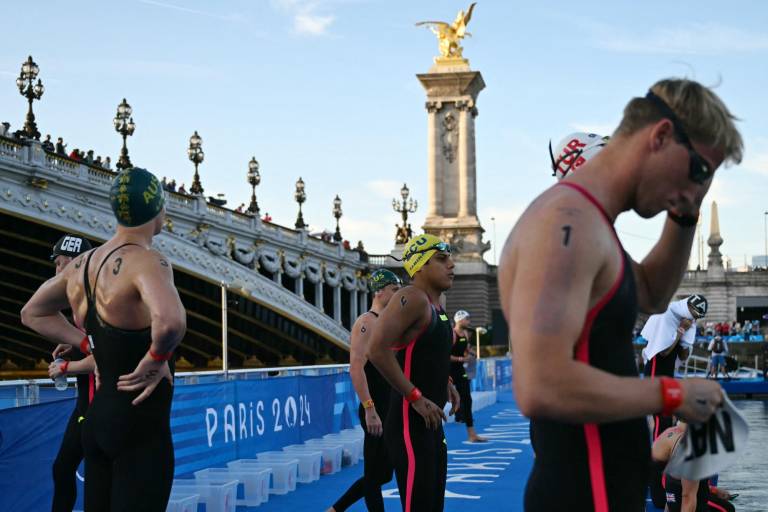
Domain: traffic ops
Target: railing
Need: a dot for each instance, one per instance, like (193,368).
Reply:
(697,366)
(11,148)
(381,260)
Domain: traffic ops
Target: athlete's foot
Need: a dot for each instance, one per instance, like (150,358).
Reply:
(478,439)
(331,509)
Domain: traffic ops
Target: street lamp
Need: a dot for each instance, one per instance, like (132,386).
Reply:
(254,178)
(125,126)
(300,197)
(32,91)
(196,156)
(337,213)
(407,206)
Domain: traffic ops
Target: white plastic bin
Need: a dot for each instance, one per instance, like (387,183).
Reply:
(252,486)
(182,502)
(332,452)
(217,496)
(351,453)
(284,472)
(309,462)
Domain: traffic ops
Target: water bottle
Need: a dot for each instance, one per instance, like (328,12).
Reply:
(60,381)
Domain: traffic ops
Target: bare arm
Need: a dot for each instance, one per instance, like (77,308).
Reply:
(168,317)
(405,313)
(684,325)
(357,358)
(545,303)
(659,274)
(42,313)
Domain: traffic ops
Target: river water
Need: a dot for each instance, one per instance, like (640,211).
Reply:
(749,476)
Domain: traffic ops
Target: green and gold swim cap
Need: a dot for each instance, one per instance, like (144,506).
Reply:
(420,249)
(381,278)
(136,197)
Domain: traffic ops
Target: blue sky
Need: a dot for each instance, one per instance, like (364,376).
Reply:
(325,90)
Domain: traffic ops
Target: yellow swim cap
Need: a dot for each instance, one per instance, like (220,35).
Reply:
(419,250)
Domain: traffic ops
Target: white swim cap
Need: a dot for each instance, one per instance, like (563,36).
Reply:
(460,315)
(573,151)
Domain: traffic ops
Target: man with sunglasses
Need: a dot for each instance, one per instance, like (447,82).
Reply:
(411,347)
(570,294)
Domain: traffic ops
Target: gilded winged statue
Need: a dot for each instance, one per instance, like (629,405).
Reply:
(449,34)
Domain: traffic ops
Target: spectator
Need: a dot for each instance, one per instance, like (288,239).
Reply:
(5,129)
(164,183)
(747,331)
(346,245)
(726,329)
(710,329)
(89,157)
(98,161)
(267,217)
(75,154)
(107,163)
(718,349)
(240,208)
(182,190)
(47,144)
(172,186)
(61,148)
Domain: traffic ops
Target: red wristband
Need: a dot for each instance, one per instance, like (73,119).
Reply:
(413,396)
(671,395)
(85,346)
(63,367)
(160,357)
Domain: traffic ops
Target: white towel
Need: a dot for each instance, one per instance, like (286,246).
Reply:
(661,330)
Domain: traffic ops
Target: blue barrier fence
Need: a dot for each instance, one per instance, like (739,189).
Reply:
(212,423)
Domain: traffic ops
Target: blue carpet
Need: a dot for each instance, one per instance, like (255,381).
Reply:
(481,477)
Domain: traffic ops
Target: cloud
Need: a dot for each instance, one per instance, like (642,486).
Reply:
(306,19)
(688,39)
(223,17)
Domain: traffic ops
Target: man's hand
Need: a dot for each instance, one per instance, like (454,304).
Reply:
(146,376)
(453,397)
(54,370)
(61,350)
(701,398)
(373,422)
(432,414)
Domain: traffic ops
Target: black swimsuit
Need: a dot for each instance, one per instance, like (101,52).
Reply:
(460,380)
(128,449)
(603,466)
(420,454)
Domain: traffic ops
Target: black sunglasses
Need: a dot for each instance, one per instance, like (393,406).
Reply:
(699,169)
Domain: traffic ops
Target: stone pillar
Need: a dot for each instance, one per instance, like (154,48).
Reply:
(715,258)
(434,190)
(319,295)
(337,302)
(363,308)
(278,277)
(353,303)
(300,286)
(463,162)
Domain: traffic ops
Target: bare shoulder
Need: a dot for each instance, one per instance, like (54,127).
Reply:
(363,324)
(150,259)
(410,298)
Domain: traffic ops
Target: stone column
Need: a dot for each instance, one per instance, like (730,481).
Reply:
(353,303)
(300,286)
(434,186)
(464,156)
(363,302)
(319,295)
(337,302)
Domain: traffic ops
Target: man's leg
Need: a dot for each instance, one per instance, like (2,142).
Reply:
(65,466)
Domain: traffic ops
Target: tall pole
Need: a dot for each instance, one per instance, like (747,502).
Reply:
(224,340)
(493,220)
(765,228)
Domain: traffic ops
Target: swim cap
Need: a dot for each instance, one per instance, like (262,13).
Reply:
(136,197)
(381,278)
(698,305)
(420,249)
(573,151)
(71,246)
(460,315)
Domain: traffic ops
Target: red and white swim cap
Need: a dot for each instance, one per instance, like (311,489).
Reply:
(573,151)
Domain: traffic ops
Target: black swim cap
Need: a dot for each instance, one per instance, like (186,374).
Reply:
(136,197)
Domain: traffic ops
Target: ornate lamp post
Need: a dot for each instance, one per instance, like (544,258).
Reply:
(337,214)
(408,205)
(254,178)
(125,126)
(300,197)
(32,91)
(196,156)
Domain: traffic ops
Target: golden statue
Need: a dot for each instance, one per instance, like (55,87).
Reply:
(449,35)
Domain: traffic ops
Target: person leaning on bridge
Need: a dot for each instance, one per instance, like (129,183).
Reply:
(570,295)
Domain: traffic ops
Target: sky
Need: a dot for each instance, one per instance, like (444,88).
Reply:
(326,90)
